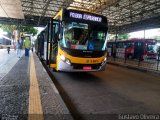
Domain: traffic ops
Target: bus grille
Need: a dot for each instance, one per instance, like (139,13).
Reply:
(80,66)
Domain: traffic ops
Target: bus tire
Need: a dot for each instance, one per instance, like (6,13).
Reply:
(54,70)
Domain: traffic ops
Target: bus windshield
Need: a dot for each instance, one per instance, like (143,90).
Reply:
(83,36)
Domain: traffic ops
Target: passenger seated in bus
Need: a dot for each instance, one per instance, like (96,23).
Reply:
(82,40)
(68,43)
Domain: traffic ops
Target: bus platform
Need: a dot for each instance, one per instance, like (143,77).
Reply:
(27,93)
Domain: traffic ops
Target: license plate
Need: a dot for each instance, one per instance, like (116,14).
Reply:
(87,68)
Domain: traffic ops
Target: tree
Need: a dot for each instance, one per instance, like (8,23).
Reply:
(7,28)
(26,29)
(123,36)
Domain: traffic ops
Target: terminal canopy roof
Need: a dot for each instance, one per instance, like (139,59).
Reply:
(123,15)
(11,9)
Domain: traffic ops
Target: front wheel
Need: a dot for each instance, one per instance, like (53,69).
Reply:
(54,70)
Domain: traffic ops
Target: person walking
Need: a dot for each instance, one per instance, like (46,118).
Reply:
(18,51)
(27,45)
(8,49)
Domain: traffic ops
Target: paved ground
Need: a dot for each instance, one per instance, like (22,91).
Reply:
(52,103)
(16,96)
(97,95)
(7,61)
(14,89)
(115,91)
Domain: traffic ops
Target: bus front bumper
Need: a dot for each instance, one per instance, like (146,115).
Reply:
(62,66)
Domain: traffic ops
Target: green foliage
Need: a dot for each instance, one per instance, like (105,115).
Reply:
(28,30)
(7,28)
(25,29)
(123,36)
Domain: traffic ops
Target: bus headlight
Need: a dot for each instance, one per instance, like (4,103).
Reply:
(104,61)
(64,59)
(68,61)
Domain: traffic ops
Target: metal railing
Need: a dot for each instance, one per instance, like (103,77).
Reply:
(147,64)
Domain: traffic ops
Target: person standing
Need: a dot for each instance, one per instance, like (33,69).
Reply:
(18,48)
(20,45)
(27,45)
(32,47)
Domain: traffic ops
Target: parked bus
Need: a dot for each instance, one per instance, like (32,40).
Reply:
(74,41)
(5,42)
(133,49)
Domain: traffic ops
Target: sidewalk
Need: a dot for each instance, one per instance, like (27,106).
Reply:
(7,61)
(27,92)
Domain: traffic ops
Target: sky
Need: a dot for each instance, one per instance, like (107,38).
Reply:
(39,30)
(148,33)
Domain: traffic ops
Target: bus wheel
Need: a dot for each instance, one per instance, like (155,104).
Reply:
(54,70)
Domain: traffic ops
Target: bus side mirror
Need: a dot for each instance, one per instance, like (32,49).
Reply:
(59,35)
(60,31)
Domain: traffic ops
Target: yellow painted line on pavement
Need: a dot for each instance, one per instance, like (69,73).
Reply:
(35,111)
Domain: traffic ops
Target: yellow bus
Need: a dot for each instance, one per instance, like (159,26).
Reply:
(74,41)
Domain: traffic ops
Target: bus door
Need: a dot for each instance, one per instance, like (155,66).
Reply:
(138,49)
(40,45)
(53,42)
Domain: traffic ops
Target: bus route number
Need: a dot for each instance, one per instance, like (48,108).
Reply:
(92,61)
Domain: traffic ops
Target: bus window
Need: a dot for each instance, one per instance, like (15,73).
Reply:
(81,36)
(151,48)
(120,45)
(139,49)
(129,45)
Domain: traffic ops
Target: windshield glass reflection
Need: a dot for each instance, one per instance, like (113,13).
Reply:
(83,36)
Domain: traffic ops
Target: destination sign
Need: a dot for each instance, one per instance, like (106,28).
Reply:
(85,16)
